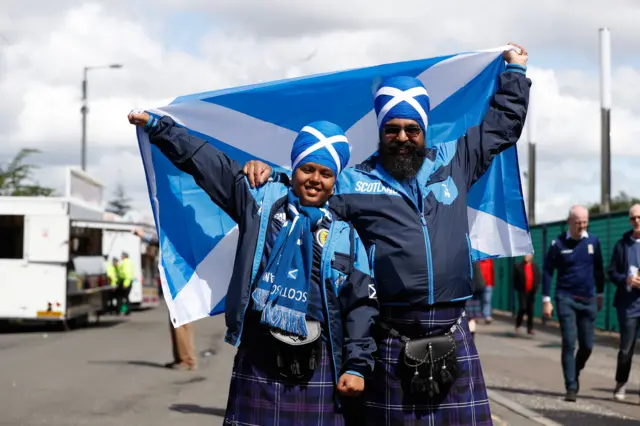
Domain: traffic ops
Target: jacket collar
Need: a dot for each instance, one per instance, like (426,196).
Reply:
(584,235)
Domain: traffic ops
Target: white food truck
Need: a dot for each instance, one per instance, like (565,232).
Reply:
(52,255)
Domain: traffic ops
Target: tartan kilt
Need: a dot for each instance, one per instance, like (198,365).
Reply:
(259,396)
(387,399)
(473,306)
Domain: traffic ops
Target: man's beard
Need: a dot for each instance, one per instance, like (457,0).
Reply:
(401,166)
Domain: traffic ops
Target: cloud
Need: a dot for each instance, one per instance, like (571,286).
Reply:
(172,48)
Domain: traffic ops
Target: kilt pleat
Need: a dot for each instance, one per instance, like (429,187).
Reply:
(388,400)
(259,396)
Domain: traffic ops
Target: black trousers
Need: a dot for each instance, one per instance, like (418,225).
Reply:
(629,329)
(525,307)
(123,298)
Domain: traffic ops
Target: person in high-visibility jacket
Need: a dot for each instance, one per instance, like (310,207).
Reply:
(113,277)
(126,277)
(112,272)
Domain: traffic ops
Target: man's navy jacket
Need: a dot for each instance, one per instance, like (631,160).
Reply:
(421,253)
(626,299)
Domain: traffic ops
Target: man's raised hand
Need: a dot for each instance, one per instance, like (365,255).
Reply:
(513,57)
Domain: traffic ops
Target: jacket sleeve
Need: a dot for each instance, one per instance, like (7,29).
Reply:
(218,175)
(617,269)
(500,128)
(598,268)
(359,304)
(548,269)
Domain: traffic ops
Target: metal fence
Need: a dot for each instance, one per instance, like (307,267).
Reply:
(608,228)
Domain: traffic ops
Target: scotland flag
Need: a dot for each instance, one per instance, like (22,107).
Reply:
(198,240)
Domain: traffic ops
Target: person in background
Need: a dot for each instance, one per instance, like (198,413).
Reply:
(112,276)
(526,281)
(488,272)
(624,272)
(126,276)
(183,345)
(577,256)
(473,306)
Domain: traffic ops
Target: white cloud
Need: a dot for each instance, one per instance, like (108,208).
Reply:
(44,49)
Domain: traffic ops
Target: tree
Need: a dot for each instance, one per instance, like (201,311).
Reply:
(620,202)
(121,203)
(16,178)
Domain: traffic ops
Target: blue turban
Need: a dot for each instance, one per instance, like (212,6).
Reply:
(323,143)
(402,97)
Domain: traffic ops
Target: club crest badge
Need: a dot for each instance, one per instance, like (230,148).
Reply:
(321,236)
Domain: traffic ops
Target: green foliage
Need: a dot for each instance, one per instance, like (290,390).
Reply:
(16,178)
(620,202)
(121,203)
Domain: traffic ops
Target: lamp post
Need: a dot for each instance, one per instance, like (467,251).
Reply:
(605,120)
(85,109)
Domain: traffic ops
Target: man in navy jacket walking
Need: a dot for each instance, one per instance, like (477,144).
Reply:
(577,257)
(624,273)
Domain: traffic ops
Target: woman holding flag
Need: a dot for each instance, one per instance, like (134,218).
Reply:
(301,302)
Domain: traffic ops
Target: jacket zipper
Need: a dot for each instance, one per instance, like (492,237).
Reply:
(427,242)
(326,300)
(425,231)
(246,306)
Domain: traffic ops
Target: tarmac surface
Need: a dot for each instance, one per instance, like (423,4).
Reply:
(113,374)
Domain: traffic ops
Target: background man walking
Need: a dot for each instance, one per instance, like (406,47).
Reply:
(577,257)
(624,273)
(526,281)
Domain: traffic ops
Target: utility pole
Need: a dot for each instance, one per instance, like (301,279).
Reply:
(605,119)
(85,109)
(531,158)
(531,180)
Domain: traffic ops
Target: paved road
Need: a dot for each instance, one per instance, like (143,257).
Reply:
(113,374)
(528,371)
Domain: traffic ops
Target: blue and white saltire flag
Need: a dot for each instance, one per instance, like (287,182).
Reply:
(198,240)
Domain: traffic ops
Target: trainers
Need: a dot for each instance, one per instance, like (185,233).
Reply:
(571,395)
(620,391)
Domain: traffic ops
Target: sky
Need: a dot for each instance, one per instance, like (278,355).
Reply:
(170,48)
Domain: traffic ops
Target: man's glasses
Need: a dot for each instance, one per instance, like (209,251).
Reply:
(634,218)
(411,130)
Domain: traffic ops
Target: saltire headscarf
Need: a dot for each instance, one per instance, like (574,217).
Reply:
(402,97)
(282,293)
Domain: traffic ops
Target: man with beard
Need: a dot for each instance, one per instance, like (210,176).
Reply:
(408,203)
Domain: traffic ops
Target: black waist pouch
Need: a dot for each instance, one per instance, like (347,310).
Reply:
(429,364)
(297,358)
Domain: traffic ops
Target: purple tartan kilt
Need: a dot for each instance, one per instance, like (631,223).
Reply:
(386,401)
(473,307)
(258,396)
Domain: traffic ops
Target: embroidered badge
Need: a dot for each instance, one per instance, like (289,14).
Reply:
(321,236)
(590,248)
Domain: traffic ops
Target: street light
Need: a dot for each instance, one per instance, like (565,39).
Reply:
(85,109)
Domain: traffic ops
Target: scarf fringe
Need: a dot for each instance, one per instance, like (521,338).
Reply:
(260,297)
(285,319)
